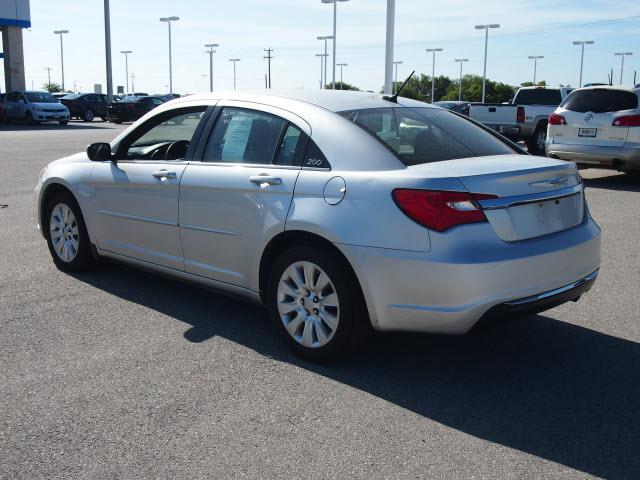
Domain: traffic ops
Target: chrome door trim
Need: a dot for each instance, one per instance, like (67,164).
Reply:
(135,217)
(557,291)
(506,202)
(210,230)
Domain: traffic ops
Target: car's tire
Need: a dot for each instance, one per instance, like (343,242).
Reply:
(28,118)
(321,314)
(117,121)
(536,143)
(88,115)
(66,234)
(104,119)
(63,122)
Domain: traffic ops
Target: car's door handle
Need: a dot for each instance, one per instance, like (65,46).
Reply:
(265,179)
(164,174)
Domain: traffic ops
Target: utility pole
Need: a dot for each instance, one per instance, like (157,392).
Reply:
(323,57)
(433,73)
(388,55)
(395,64)
(582,44)
(268,57)
(133,89)
(60,33)
(211,51)
(461,61)
(168,21)
(622,54)
(335,16)
(234,60)
(48,69)
(126,67)
(535,66)
(341,82)
(325,38)
(486,43)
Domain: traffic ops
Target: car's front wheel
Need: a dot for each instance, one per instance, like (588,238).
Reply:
(316,302)
(66,234)
(536,144)
(87,115)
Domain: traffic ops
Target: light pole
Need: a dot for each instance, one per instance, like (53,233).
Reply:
(323,59)
(48,69)
(622,54)
(335,16)
(341,82)
(486,42)
(269,57)
(211,51)
(535,66)
(388,51)
(461,60)
(126,66)
(582,44)
(234,60)
(433,73)
(107,48)
(168,20)
(61,32)
(395,78)
(325,38)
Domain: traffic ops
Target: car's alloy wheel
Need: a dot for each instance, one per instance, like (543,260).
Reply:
(63,228)
(308,304)
(541,138)
(88,115)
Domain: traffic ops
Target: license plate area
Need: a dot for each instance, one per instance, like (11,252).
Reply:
(587,132)
(546,217)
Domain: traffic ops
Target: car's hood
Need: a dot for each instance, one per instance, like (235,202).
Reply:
(80,157)
(48,105)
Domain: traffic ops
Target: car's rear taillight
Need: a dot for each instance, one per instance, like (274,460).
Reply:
(440,210)
(627,121)
(520,115)
(556,119)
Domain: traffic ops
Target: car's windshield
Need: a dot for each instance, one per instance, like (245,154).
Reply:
(41,97)
(600,100)
(425,135)
(72,96)
(538,96)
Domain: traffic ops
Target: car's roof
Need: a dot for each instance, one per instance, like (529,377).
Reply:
(623,88)
(333,100)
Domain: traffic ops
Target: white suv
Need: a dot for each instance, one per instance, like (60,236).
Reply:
(597,126)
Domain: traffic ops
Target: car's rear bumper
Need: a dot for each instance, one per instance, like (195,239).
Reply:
(450,291)
(603,156)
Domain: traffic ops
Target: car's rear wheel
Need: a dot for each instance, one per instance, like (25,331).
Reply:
(87,115)
(536,144)
(28,118)
(316,303)
(66,234)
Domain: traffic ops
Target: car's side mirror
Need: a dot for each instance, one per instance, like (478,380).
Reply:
(99,152)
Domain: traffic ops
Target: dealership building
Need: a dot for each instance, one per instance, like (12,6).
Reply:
(14,17)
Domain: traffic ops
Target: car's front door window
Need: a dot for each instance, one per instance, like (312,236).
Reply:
(164,137)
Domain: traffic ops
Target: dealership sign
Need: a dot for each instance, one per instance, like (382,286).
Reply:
(15,13)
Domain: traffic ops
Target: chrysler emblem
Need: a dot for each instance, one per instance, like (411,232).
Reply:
(555,182)
(588,117)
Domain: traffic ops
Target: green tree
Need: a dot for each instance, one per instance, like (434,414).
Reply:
(541,83)
(419,87)
(342,86)
(52,87)
(497,92)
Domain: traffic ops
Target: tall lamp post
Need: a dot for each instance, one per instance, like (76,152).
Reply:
(234,60)
(486,42)
(335,16)
(388,50)
(433,73)
(622,54)
(535,59)
(395,77)
(341,82)
(325,38)
(168,21)
(211,51)
(107,50)
(61,32)
(323,59)
(48,69)
(461,61)
(126,66)
(582,44)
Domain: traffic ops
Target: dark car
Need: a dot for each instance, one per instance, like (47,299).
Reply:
(86,106)
(132,108)
(3,115)
(454,105)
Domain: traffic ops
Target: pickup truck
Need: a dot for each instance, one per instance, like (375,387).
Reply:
(525,117)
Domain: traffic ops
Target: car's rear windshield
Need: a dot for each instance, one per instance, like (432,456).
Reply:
(425,135)
(538,96)
(41,97)
(72,96)
(600,100)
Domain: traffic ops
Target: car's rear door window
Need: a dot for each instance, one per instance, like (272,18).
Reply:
(425,135)
(538,96)
(600,101)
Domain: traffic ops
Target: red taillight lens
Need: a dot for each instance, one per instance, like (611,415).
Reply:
(520,115)
(555,119)
(627,121)
(440,210)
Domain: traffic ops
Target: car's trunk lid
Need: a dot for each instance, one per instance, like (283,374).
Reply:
(536,196)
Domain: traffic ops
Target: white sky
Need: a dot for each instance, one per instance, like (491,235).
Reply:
(244,27)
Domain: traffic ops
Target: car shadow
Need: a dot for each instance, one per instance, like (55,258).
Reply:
(629,182)
(18,127)
(545,387)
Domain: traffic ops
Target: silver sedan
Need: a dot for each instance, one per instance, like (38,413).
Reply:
(342,212)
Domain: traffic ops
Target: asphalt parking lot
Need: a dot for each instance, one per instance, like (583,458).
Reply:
(121,374)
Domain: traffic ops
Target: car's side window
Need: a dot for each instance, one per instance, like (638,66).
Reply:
(244,136)
(157,101)
(314,157)
(292,147)
(163,137)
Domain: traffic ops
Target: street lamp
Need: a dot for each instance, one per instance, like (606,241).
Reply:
(622,54)
(61,32)
(234,60)
(395,81)
(486,42)
(341,82)
(535,66)
(325,38)
(582,44)
(388,50)
(211,51)
(323,59)
(126,66)
(48,69)
(433,73)
(335,16)
(107,50)
(168,20)
(461,60)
